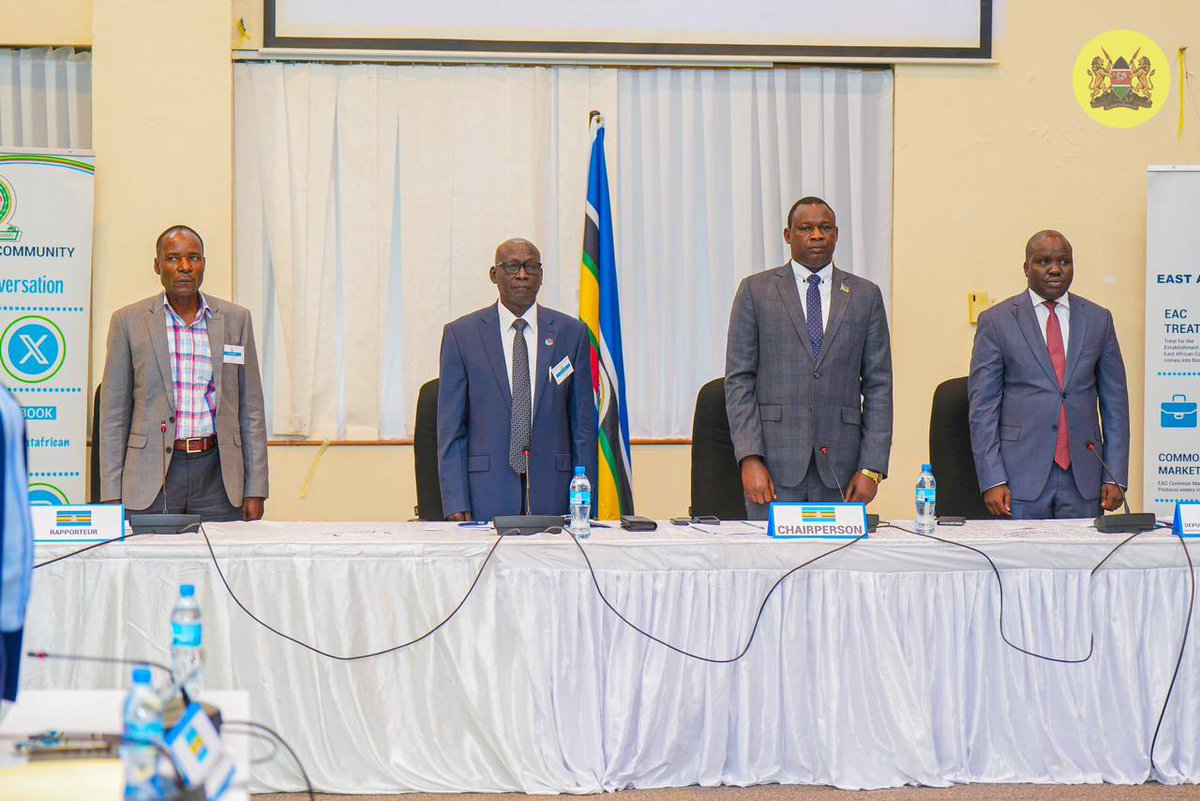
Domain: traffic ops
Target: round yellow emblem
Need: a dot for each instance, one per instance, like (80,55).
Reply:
(1121,78)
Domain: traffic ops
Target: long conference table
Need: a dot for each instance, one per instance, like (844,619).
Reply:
(877,666)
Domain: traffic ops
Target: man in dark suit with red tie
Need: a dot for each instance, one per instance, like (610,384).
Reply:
(1047,386)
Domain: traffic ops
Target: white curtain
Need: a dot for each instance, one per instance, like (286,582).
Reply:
(370,199)
(45,97)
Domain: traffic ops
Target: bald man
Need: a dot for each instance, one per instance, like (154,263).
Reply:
(515,404)
(1047,394)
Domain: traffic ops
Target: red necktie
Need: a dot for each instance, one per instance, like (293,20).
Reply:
(1058,359)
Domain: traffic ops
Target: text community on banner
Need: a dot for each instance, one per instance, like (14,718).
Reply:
(45,301)
(1172,437)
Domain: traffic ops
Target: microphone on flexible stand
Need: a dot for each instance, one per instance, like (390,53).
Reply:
(163,523)
(175,698)
(528,485)
(1128,523)
(162,434)
(527,523)
(872,520)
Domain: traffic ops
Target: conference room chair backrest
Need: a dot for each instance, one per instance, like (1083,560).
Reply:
(716,479)
(425,454)
(950,453)
(94,478)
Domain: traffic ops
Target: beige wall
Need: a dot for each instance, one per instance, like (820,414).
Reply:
(29,23)
(984,156)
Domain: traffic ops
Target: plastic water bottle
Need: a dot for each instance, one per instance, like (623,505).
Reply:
(143,728)
(581,504)
(926,520)
(187,641)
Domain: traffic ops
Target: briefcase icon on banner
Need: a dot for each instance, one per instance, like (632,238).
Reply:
(1179,412)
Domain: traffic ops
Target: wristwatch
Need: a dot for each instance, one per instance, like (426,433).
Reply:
(874,475)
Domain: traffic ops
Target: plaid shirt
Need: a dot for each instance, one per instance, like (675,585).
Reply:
(191,372)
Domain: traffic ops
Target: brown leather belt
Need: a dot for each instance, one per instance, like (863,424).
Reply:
(196,444)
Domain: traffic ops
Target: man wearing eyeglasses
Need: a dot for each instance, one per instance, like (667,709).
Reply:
(182,395)
(515,403)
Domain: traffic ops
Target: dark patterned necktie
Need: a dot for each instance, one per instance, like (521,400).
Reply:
(521,424)
(816,326)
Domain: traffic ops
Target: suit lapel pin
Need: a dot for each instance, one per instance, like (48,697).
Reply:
(846,288)
(549,341)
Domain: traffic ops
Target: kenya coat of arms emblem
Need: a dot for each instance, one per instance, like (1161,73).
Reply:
(1124,90)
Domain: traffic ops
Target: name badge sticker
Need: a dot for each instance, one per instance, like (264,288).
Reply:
(562,371)
(235,354)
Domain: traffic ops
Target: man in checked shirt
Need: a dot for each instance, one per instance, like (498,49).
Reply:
(181,380)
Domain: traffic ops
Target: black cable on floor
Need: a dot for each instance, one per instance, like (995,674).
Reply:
(757,618)
(352,657)
(252,725)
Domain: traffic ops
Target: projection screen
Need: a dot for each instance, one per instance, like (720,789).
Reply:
(638,30)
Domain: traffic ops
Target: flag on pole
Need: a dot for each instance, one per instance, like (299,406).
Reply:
(600,310)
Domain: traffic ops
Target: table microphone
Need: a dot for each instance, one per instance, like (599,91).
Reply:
(163,523)
(117,660)
(528,485)
(112,660)
(175,697)
(872,520)
(527,523)
(1128,523)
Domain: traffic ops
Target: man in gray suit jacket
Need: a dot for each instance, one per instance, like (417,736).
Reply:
(182,369)
(1044,361)
(808,374)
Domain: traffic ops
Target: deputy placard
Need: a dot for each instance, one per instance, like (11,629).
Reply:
(1172,430)
(45,291)
(1187,519)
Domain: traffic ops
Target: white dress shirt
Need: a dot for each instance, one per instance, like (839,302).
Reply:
(825,288)
(1062,311)
(508,336)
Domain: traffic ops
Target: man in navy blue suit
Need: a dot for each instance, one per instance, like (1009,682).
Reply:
(515,401)
(1044,363)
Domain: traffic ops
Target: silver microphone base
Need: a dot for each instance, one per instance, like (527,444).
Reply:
(164,524)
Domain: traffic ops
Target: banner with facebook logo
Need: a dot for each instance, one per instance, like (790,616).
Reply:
(1172,443)
(45,302)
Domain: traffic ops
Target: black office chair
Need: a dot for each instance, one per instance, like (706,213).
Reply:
(425,454)
(94,478)
(716,479)
(950,453)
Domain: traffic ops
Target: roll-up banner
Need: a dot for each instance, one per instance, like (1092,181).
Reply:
(1172,437)
(45,303)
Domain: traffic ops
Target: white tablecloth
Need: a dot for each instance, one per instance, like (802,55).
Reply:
(879,666)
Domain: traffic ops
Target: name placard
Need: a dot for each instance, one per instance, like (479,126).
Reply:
(817,521)
(93,523)
(199,753)
(1187,519)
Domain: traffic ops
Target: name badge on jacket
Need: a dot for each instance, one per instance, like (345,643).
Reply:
(562,371)
(235,354)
